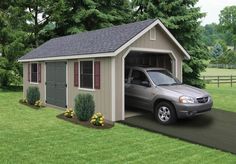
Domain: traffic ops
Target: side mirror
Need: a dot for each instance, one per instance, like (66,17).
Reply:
(146,84)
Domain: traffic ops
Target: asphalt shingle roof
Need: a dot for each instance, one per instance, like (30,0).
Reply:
(91,42)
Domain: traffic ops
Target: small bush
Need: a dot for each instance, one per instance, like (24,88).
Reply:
(33,95)
(97,119)
(39,103)
(69,113)
(84,106)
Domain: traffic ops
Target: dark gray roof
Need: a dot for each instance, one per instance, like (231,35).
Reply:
(91,42)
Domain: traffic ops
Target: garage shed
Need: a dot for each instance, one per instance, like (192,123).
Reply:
(94,62)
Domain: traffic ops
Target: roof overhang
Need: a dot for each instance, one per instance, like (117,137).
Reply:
(110,54)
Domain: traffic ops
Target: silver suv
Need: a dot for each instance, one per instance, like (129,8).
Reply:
(157,90)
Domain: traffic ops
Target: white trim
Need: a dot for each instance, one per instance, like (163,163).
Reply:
(118,50)
(67,81)
(45,87)
(34,83)
(85,89)
(113,89)
(70,57)
(144,50)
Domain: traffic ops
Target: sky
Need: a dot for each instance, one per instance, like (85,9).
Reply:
(212,8)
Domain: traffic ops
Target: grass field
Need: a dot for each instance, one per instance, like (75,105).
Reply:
(219,72)
(37,136)
(224,97)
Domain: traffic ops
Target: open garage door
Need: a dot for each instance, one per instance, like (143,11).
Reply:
(56,84)
(139,94)
(148,59)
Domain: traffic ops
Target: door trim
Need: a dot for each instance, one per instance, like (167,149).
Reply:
(45,80)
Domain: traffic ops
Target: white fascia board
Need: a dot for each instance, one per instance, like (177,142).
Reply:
(69,57)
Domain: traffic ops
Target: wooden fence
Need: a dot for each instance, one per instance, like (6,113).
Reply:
(219,80)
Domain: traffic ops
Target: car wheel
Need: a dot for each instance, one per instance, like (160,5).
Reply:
(165,113)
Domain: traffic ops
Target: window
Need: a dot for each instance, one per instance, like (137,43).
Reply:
(86,74)
(34,72)
(138,77)
(153,34)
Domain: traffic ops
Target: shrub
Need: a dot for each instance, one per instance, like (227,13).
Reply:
(69,113)
(97,119)
(33,95)
(38,103)
(84,106)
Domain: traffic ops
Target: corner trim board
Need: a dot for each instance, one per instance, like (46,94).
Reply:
(113,88)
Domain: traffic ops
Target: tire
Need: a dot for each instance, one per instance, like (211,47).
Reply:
(165,113)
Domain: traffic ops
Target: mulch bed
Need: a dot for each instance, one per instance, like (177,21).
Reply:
(87,124)
(31,106)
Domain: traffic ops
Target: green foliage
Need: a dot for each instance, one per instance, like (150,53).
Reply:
(33,95)
(85,15)
(217,51)
(229,57)
(84,106)
(211,34)
(228,21)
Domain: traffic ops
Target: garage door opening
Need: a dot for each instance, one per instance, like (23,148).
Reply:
(142,59)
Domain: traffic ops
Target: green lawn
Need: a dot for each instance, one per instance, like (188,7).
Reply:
(224,97)
(219,72)
(37,136)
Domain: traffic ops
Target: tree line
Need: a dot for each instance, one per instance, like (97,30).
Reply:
(24,25)
(221,38)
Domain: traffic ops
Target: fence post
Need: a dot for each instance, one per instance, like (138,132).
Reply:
(231,80)
(218,81)
(204,79)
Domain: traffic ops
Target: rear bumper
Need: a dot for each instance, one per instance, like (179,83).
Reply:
(189,110)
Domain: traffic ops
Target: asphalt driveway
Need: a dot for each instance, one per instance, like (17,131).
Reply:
(216,129)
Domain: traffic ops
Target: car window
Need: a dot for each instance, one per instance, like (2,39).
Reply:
(127,70)
(137,77)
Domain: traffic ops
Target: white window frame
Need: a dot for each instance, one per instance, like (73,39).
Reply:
(31,73)
(153,34)
(79,78)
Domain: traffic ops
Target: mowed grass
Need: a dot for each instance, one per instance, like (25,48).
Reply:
(219,72)
(224,97)
(37,136)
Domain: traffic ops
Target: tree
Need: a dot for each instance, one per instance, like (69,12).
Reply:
(85,15)
(228,21)
(217,51)
(12,43)
(182,19)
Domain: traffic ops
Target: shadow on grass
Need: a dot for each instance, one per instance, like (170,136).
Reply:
(11,89)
